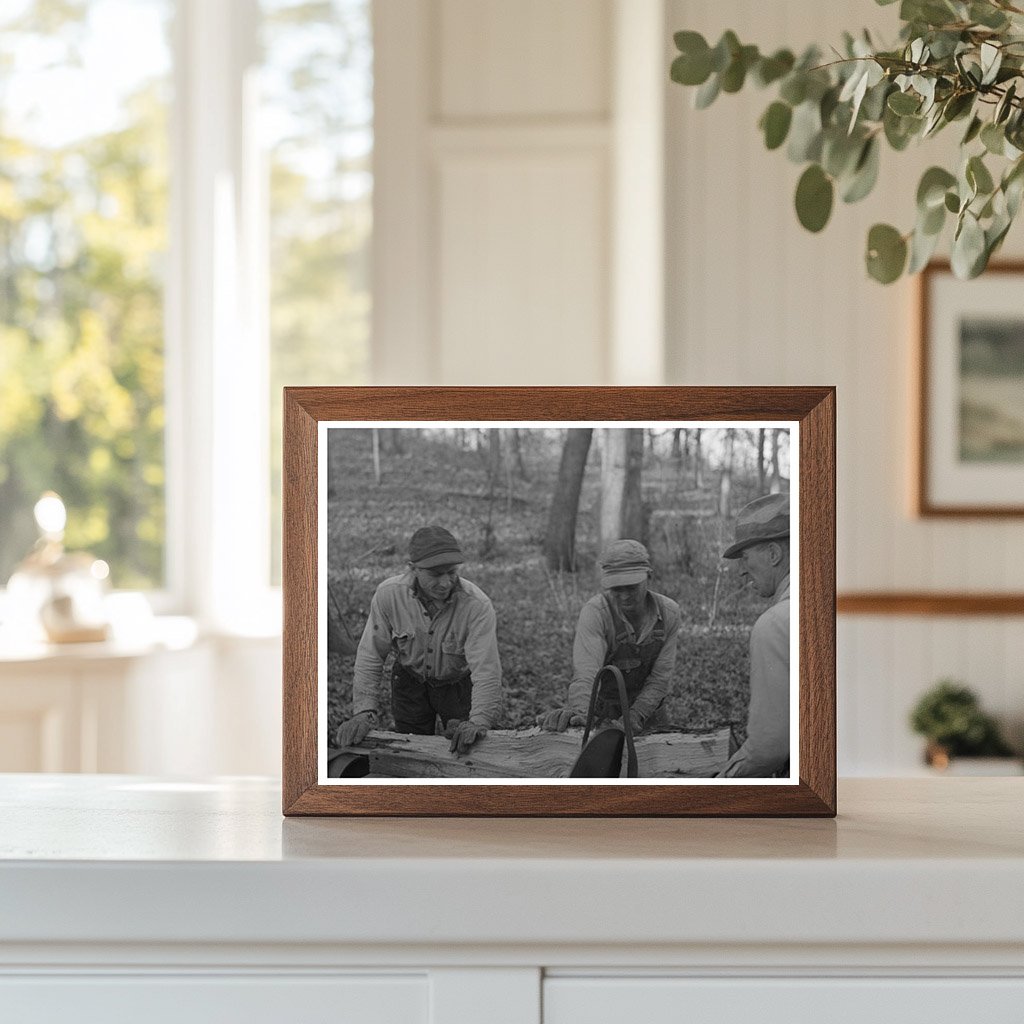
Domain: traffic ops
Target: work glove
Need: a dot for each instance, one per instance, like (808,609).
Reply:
(635,721)
(463,735)
(356,729)
(560,719)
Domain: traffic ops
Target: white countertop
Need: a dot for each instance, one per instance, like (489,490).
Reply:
(124,859)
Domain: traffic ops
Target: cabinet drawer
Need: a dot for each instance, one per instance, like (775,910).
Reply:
(222,999)
(660,1000)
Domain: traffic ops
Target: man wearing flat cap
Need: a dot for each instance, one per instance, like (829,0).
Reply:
(629,626)
(441,630)
(761,550)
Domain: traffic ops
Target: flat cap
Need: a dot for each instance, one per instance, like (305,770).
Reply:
(765,518)
(433,545)
(624,563)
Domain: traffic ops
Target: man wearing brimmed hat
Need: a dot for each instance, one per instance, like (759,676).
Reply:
(761,550)
(629,626)
(441,630)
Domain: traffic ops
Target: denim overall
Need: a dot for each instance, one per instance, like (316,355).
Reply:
(634,660)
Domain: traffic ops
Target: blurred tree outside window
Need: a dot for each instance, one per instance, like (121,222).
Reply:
(85,93)
(317,127)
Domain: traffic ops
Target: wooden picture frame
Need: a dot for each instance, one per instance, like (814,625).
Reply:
(309,416)
(970,389)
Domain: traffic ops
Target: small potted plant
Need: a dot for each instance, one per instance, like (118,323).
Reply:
(950,717)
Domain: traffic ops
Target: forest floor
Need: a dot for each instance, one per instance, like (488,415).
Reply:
(501,529)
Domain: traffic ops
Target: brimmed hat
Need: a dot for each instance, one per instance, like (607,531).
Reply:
(432,546)
(765,518)
(624,563)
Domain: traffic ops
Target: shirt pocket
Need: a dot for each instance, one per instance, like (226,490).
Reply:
(453,656)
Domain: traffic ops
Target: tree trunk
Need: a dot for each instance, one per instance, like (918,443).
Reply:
(622,513)
(677,448)
(532,755)
(776,484)
(517,452)
(725,483)
(376,455)
(698,461)
(761,475)
(560,539)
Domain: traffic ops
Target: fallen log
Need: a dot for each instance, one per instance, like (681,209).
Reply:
(524,754)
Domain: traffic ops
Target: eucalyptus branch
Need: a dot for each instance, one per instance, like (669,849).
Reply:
(833,117)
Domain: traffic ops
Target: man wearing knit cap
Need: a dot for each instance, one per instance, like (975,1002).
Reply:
(761,550)
(627,625)
(441,630)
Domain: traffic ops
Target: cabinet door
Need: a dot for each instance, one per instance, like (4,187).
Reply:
(655,1000)
(206,999)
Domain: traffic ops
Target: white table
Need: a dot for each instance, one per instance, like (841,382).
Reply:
(122,896)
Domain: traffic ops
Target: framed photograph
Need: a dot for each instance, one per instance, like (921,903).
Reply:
(559,601)
(971,393)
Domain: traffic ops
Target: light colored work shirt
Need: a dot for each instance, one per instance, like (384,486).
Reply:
(595,642)
(442,644)
(766,748)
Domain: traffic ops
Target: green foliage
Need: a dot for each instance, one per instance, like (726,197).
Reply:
(955,61)
(949,716)
(82,231)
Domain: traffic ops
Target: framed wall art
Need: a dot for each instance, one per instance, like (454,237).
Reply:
(970,445)
(559,601)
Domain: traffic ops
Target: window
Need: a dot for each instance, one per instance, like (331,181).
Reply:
(317,117)
(185,220)
(83,236)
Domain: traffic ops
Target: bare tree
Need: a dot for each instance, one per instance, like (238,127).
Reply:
(560,539)
(677,448)
(622,513)
(725,482)
(517,453)
(760,460)
(776,484)
(698,461)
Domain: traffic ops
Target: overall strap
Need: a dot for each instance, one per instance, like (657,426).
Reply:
(632,767)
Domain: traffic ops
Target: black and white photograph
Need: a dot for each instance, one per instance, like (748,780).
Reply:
(558,602)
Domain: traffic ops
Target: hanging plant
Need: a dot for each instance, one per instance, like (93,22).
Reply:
(957,61)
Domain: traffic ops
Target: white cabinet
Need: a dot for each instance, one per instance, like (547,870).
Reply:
(202,999)
(823,1000)
(134,898)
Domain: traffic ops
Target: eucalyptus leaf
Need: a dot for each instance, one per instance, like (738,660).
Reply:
(952,202)
(725,50)
(771,69)
(922,248)
(903,103)
(794,88)
(991,60)
(805,133)
(987,15)
(775,123)
(865,173)
(1004,106)
(968,247)
(978,176)
(993,138)
(931,190)
(814,195)
(707,93)
(886,253)
(693,65)
(972,132)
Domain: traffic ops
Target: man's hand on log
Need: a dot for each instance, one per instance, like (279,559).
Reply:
(356,729)
(560,719)
(463,735)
